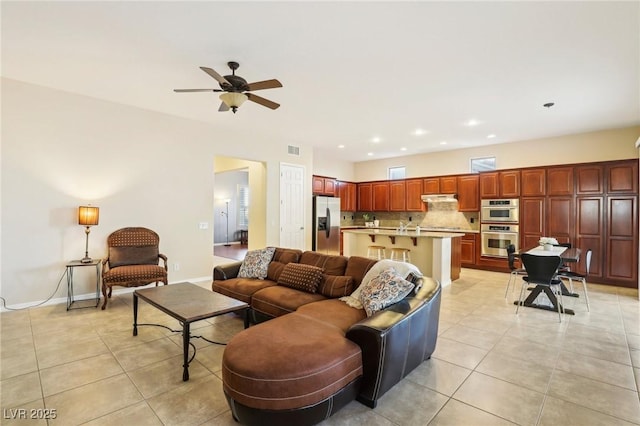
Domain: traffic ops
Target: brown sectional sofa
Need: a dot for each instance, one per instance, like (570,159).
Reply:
(310,353)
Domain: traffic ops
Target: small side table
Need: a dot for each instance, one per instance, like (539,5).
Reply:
(244,236)
(70,296)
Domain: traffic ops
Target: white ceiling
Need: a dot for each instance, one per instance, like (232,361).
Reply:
(351,71)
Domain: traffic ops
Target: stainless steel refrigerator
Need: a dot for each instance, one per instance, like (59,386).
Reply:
(326,225)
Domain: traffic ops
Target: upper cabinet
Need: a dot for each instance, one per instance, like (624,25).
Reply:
(500,184)
(397,196)
(431,185)
(589,179)
(622,177)
(324,186)
(533,182)
(560,181)
(414,192)
(348,196)
(365,197)
(468,193)
(380,196)
(448,185)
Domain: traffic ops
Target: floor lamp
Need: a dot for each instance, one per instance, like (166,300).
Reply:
(226,215)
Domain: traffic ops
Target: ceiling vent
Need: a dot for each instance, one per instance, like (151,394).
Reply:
(293,150)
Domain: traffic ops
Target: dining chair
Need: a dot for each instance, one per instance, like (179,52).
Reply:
(542,271)
(581,277)
(515,271)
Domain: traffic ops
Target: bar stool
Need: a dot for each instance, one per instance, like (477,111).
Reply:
(403,254)
(376,252)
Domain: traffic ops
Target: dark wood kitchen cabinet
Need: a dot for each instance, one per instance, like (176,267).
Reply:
(589,180)
(532,220)
(559,218)
(500,184)
(622,239)
(431,185)
(469,244)
(380,196)
(397,196)
(365,197)
(622,177)
(449,185)
(414,193)
(533,182)
(469,193)
(324,186)
(590,232)
(348,196)
(560,181)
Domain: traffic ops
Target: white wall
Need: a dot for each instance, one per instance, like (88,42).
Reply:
(142,168)
(326,163)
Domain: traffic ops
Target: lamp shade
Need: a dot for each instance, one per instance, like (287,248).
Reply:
(88,215)
(233,99)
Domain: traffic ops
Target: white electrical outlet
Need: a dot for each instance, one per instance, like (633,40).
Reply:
(176,266)
(203,225)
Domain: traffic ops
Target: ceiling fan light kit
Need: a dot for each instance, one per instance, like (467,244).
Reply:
(233,100)
(234,87)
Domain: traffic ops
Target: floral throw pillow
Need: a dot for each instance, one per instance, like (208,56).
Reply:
(384,290)
(256,263)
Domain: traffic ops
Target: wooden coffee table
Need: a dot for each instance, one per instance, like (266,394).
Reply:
(187,303)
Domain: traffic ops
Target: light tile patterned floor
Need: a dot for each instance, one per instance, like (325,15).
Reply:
(490,366)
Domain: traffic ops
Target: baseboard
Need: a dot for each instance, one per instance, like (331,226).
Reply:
(88,296)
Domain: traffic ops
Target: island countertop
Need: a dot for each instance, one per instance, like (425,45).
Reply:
(412,234)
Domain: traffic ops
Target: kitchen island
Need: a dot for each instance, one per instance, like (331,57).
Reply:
(436,254)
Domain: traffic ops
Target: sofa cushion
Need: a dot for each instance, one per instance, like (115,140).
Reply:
(332,265)
(335,286)
(256,263)
(240,288)
(334,312)
(134,275)
(384,290)
(300,276)
(289,362)
(281,257)
(280,300)
(357,267)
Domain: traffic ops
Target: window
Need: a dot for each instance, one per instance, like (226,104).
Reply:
(483,164)
(397,172)
(243,206)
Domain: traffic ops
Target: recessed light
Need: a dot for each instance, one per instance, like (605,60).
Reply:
(491,136)
(403,148)
(472,122)
(419,132)
(376,139)
(340,146)
(443,142)
(369,154)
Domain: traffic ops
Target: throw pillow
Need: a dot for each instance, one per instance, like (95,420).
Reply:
(256,263)
(384,290)
(335,285)
(300,276)
(133,255)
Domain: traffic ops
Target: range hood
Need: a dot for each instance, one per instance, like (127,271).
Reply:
(441,202)
(442,212)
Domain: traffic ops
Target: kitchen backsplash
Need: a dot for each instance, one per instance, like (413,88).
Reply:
(393,219)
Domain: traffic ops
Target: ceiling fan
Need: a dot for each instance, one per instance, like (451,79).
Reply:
(234,88)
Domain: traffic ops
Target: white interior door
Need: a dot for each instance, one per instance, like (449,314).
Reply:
(292,206)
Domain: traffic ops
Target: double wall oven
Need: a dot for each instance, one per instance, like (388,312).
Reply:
(499,226)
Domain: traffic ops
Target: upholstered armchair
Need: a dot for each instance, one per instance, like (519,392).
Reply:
(133,260)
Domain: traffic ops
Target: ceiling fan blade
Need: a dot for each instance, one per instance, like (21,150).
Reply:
(197,90)
(262,101)
(215,75)
(267,84)
(223,107)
